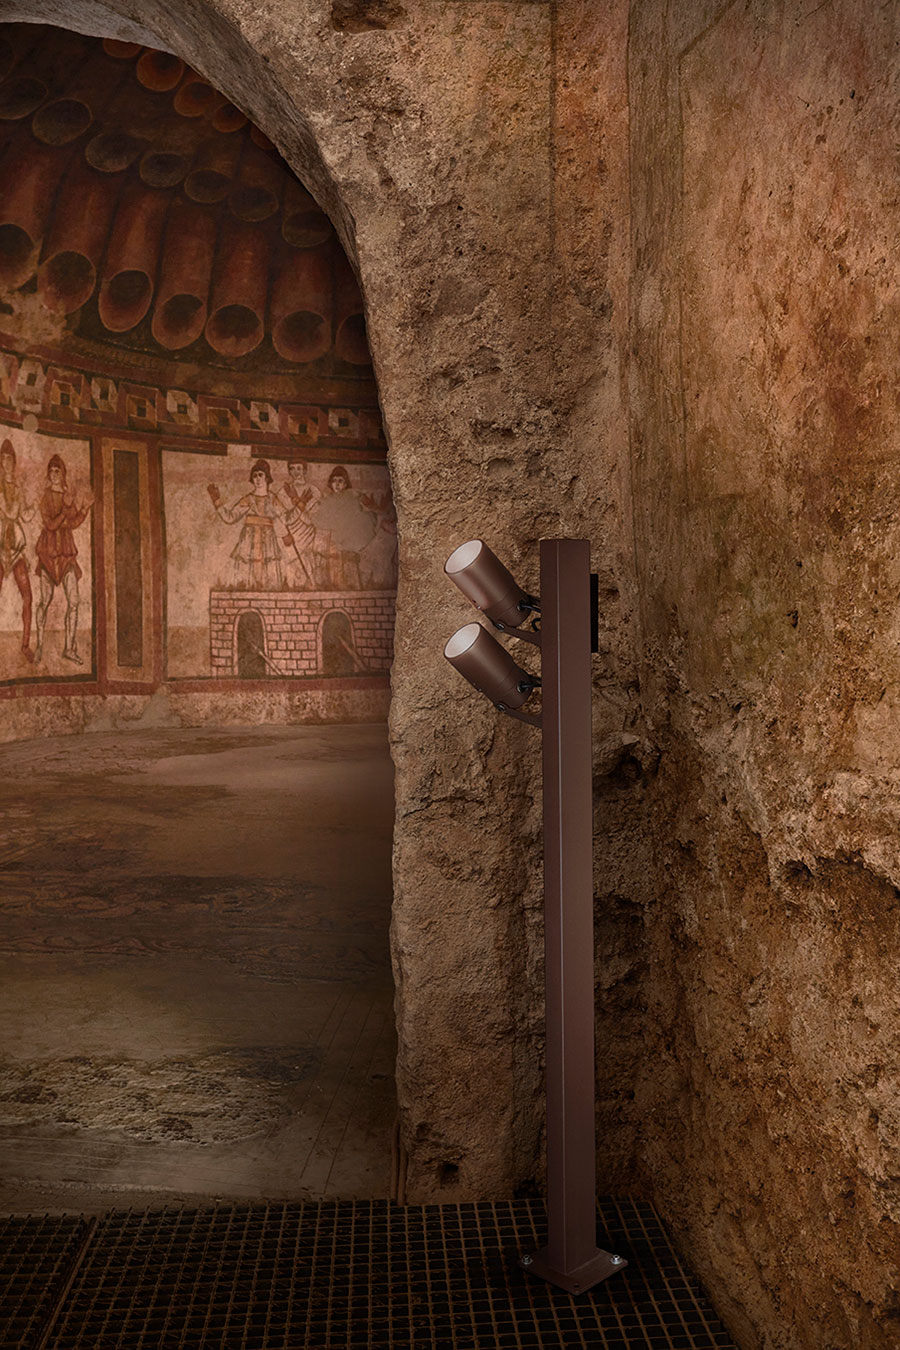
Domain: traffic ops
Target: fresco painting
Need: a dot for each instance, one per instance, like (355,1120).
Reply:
(187,404)
(269,528)
(256,555)
(333,536)
(46,560)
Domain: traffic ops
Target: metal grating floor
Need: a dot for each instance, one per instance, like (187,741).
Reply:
(338,1275)
(36,1257)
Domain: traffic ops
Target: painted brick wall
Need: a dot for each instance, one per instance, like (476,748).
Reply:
(292,626)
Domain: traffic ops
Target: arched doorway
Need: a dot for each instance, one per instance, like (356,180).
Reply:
(190,380)
(339,655)
(372,125)
(250,640)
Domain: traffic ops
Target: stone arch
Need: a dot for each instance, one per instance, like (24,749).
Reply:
(452,255)
(244,59)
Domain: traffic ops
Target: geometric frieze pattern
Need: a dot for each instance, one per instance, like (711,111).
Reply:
(47,389)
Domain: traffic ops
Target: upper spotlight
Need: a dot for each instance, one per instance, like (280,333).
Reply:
(483,579)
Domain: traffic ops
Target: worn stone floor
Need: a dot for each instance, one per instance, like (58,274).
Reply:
(195,984)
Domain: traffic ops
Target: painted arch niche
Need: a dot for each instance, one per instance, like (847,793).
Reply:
(181,328)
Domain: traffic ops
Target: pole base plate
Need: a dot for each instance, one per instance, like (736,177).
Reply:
(581,1278)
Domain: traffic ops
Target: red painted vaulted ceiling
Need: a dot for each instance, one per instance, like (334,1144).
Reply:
(148,213)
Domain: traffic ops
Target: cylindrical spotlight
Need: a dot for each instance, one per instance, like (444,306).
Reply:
(481,660)
(483,579)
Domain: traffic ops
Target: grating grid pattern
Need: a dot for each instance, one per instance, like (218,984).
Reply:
(349,1274)
(35,1257)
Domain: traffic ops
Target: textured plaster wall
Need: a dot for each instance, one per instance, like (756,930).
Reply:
(473,158)
(480,160)
(765,489)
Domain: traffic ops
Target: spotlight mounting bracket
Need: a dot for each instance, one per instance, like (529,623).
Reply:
(526,634)
(533,719)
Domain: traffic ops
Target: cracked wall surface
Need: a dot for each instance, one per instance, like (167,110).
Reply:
(765,475)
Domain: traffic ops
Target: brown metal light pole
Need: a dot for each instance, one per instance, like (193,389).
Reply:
(571,1258)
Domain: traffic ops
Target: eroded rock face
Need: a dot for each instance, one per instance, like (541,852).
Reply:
(477,165)
(446,143)
(766,481)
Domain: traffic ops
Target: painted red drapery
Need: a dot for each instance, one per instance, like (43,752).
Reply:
(56,549)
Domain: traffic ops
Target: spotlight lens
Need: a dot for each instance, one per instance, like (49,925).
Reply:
(483,580)
(462,640)
(463,556)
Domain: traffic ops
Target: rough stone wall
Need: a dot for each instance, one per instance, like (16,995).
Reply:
(591,260)
(472,157)
(765,484)
(528,439)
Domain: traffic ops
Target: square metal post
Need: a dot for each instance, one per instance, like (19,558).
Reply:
(571,1258)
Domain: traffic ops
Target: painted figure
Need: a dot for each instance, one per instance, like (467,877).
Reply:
(14,514)
(381,557)
(57,555)
(257,557)
(349,526)
(302,498)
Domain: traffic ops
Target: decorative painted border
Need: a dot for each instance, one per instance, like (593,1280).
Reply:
(61,395)
(148,672)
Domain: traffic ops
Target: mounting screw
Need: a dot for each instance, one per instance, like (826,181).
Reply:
(616,1260)
(526,1260)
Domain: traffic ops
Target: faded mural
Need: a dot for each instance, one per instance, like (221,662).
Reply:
(46,562)
(250,536)
(193,478)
